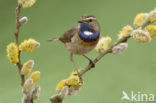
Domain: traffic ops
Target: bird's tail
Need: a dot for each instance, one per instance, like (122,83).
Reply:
(53,39)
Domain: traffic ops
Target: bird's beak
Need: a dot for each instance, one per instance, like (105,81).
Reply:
(80,21)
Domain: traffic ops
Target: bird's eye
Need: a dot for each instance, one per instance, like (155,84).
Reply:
(90,20)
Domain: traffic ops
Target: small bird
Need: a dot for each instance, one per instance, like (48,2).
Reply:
(82,38)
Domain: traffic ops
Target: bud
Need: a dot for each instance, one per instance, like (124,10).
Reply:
(27,3)
(152,30)
(152,16)
(141,19)
(27,88)
(36,92)
(23,20)
(12,53)
(73,90)
(56,99)
(125,31)
(64,92)
(27,67)
(35,76)
(29,45)
(103,44)
(141,36)
(26,98)
(119,48)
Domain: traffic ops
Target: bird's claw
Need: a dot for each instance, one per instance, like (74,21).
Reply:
(80,77)
(92,63)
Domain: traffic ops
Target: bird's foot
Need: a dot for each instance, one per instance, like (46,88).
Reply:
(91,62)
(80,77)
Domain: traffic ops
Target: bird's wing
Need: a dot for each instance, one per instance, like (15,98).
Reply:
(67,36)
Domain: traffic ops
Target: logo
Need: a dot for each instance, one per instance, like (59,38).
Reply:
(138,96)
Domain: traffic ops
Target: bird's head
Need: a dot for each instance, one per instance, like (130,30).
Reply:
(89,28)
(91,20)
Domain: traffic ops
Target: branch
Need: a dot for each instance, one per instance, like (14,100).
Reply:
(16,33)
(14,50)
(89,67)
(58,98)
(26,99)
(124,39)
(142,33)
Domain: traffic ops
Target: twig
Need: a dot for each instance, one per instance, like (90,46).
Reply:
(56,98)
(89,67)
(17,12)
(124,39)
(16,33)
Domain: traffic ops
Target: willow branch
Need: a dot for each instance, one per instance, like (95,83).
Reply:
(16,34)
(123,40)
(89,67)
(19,64)
(57,99)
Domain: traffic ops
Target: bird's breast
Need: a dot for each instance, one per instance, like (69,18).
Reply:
(89,36)
(84,40)
(87,33)
(87,44)
(78,46)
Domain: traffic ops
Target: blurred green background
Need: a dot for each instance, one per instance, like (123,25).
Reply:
(133,70)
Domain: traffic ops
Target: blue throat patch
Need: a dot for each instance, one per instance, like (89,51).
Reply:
(87,33)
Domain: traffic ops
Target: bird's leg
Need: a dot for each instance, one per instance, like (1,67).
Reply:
(71,58)
(90,61)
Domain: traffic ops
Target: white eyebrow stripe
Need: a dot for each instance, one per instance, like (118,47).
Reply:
(90,18)
(88,33)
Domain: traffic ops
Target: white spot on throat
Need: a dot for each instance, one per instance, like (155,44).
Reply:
(88,33)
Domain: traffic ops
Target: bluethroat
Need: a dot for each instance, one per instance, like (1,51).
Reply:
(81,38)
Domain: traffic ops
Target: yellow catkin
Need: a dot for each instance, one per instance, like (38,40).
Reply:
(60,85)
(125,31)
(35,76)
(152,16)
(141,36)
(74,80)
(103,44)
(27,3)
(12,53)
(152,30)
(27,67)
(29,45)
(74,83)
(140,19)
(75,73)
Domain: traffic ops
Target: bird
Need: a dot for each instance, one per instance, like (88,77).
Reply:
(81,38)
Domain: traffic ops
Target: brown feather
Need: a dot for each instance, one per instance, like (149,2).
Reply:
(67,36)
